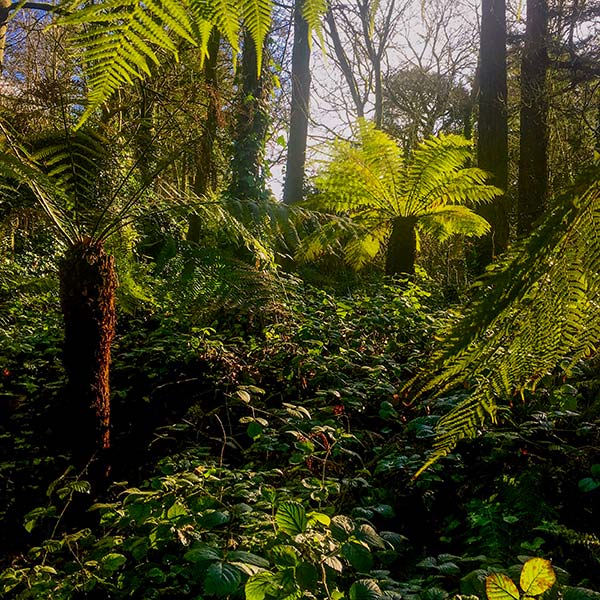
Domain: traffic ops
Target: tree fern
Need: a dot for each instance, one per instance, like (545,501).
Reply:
(369,182)
(532,313)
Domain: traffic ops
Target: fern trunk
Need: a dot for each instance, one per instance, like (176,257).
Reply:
(87,287)
(402,247)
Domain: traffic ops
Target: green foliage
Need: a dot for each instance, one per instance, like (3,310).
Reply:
(121,41)
(370,182)
(537,312)
(536,578)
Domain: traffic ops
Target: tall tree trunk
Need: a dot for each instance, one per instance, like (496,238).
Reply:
(5,6)
(293,190)
(205,176)
(248,177)
(402,247)
(533,155)
(144,135)
(87,288)
(492,145)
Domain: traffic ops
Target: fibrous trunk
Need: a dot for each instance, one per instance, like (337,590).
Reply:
(402,247)
(87,287)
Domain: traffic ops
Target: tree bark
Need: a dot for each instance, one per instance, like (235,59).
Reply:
(293,190)
(248,181)
(5,8)
(533,154)
(87,288)
(492,146)
(205,176)
(402,247)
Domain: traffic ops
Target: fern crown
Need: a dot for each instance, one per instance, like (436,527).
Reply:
(370,182)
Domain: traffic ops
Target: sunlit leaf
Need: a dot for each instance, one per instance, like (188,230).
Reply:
(500,587)
(291,518)
(537,576)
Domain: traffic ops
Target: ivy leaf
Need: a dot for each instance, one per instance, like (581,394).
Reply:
(537,576)
(500,587)
(291,518)
(365,589)
(222,579)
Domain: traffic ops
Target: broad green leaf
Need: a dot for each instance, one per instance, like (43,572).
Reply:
(259,585)
(176,510)
(254,429)
(365,589)
(341,527)
(247,557)
(317,517)
(333,562)
(537,576)
(500,587)
(111,562)
(284,556)
(213,518)
(588,484)
(307,576)
(579,593)
(291,518)
(367,534)
(202,554)
(358,556)
(221,579)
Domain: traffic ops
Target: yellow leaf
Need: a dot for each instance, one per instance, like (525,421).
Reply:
(500,587)
(537,576)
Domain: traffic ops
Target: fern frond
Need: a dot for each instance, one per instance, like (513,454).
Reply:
(256,15)
(364,247)
(313,12)
(446,221)
(119,39)
(18,166)
(540,308)
(433,163)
